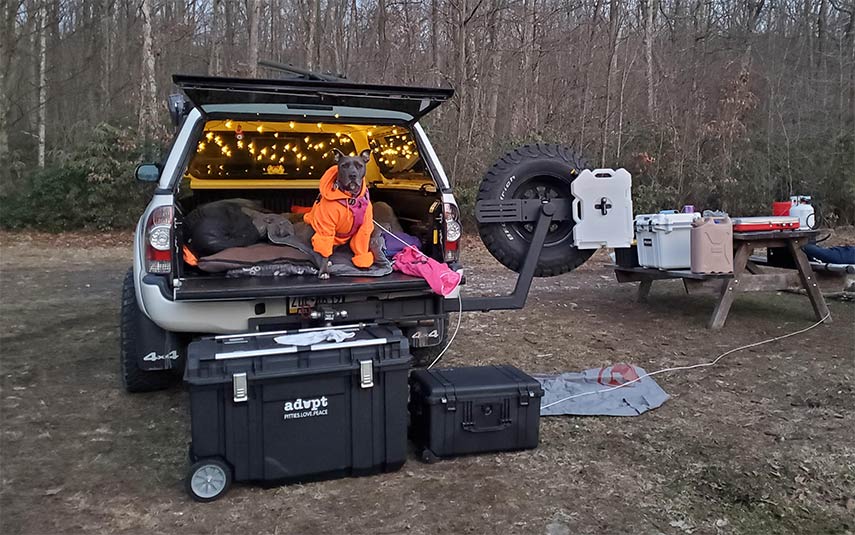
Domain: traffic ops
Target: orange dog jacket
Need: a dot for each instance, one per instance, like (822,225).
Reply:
(337,217)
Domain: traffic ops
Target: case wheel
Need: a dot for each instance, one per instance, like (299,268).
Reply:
(208,479)
(429,457)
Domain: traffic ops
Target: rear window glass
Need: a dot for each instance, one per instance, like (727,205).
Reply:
(263,153)
(396,153)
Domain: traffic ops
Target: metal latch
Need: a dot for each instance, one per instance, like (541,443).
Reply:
(366,373)
(524,395)
(239,384)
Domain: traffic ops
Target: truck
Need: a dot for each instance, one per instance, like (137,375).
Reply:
(268,141)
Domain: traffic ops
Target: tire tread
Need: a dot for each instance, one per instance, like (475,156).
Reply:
(492,235)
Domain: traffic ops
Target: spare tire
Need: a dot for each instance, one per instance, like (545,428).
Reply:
(540,171)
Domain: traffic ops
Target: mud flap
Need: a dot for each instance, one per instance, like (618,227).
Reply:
(158,349)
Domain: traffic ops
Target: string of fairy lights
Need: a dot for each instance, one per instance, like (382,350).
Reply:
(234,151)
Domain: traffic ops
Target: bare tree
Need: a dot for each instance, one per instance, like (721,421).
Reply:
(643,84)
(253,7)
(148,86)
(42,59)
(649,10)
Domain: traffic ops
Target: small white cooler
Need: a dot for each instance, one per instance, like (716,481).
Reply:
(665,240)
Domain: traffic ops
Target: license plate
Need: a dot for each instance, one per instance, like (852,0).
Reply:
(295,304)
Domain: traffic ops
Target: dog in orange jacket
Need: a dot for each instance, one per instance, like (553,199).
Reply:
(343,212)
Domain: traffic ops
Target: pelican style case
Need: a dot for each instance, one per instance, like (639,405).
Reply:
(271,412)
(455,411)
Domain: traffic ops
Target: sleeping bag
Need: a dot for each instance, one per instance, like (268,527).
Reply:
(217,226)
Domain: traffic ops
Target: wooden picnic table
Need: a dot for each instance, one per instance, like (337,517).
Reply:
(746,277)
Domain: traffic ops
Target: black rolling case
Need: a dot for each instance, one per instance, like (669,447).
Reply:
(456,411)
(261,411)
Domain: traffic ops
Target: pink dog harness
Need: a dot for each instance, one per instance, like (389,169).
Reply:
(357,208)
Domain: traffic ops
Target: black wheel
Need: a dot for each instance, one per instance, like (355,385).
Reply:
(139,336)
(429,457)
(208,479)
(541,172)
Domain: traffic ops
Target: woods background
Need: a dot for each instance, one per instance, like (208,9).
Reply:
(720,103)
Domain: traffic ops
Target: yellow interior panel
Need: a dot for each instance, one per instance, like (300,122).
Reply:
(236,154)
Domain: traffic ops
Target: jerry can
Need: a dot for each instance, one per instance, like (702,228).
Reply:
(712,245)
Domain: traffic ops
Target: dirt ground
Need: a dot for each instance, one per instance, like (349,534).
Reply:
(763,443)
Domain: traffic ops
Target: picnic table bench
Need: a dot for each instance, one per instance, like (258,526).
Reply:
(746,276)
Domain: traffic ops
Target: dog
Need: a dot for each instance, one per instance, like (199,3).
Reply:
(343,212)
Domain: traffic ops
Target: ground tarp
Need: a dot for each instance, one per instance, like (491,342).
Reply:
(588,393)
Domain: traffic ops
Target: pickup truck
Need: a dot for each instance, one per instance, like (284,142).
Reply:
(269,142)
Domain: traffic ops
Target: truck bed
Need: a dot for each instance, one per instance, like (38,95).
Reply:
(219,288)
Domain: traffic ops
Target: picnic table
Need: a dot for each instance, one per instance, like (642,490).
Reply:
(747,276)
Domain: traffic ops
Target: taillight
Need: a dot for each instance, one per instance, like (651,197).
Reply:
(158,241)
(453,231)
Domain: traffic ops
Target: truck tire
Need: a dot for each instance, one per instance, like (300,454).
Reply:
(137,335)
(540,171)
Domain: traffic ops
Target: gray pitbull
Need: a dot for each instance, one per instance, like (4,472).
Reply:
(350,180)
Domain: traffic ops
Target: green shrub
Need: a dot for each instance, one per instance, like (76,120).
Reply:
(90,185)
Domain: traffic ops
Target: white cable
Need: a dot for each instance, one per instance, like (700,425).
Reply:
(457,328)
(459,297)
(679,368)
(390,233)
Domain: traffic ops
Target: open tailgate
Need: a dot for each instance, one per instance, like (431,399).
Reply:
(223,288)
(414,101)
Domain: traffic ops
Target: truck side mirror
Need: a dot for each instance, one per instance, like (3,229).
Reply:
(147,172)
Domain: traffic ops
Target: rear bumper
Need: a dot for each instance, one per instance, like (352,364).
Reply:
(230,315)
(215,317)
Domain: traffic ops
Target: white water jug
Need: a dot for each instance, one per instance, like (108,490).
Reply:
(805,212)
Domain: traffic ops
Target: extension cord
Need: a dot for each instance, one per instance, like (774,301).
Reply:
(693,366)
(459,298)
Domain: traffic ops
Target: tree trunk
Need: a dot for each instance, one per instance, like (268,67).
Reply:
(493,84)
(215,58)
(107,11)
(434,38)
(315,62)
(148,87)
(382,43)
(42,111)
(614,35)
(460,82)
(649,9)
(227,63)
(524,112)
(8,44)
(253,7)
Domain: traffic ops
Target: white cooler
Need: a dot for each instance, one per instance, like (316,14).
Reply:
(665,240)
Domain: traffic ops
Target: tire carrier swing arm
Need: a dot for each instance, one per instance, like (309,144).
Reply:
(517,211)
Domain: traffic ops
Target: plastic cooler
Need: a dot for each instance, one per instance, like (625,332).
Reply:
(456,411)
(763,223)
(664,240)
(261,411)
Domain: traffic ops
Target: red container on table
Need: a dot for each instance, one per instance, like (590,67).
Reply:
(781,208)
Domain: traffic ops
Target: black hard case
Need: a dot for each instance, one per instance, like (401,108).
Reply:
(456,411)
(357,429)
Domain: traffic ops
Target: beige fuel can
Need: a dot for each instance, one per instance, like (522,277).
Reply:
(712,245)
